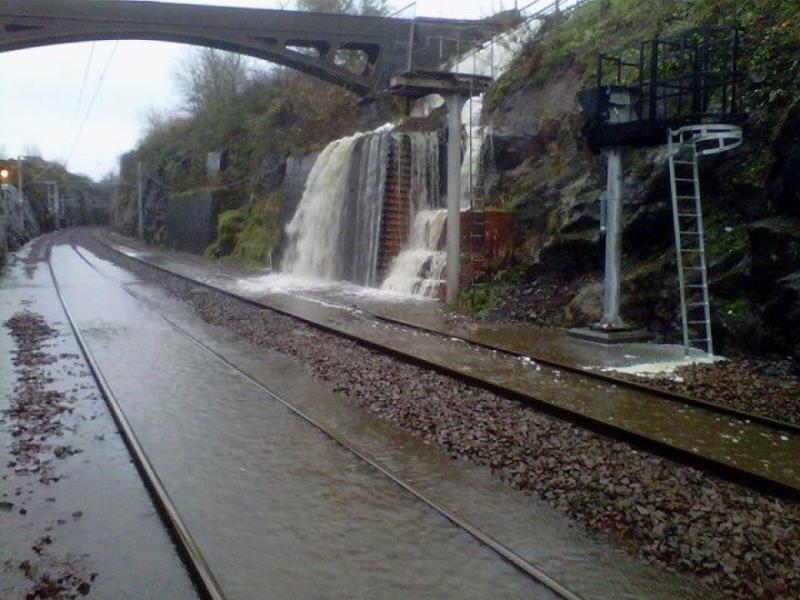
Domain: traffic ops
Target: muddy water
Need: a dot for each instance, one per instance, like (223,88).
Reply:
(278,509)
(528,527)
(739,443)
(95,511)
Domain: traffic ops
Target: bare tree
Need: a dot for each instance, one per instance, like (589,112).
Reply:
(209,79)
(352,7)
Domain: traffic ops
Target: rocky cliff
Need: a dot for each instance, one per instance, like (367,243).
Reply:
(535,164)
(26,215)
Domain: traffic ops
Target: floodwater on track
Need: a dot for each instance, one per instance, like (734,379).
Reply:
(280,510)
(277,508)
(729,440)
(90,519)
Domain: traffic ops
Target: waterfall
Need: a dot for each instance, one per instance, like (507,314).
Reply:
(425,176)
(370,183)
(340,232)
(476,133)
(419,268)
(314,231)
(492,59)
(335,232)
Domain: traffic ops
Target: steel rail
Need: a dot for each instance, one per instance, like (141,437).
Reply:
(605,377)
(758,482)
(482,537)
(203,578)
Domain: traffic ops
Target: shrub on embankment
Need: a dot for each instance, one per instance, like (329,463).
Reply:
(250,233)
(751,199)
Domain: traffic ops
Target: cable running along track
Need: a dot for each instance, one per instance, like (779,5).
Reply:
(759,480)
(188,549)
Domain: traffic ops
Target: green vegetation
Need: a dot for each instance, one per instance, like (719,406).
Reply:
(36,170)
(254,115)
(725,235)
(480,298)
(250,233)
(772,27)
(739,306)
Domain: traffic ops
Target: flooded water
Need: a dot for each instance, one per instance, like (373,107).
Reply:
(276,505)
(97,513)
(748,446)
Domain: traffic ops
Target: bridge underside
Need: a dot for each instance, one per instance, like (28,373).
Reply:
(359,53)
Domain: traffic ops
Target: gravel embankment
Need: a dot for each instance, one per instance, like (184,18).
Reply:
(755,386)
(741,543)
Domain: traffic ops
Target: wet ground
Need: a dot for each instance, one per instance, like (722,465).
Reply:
(75,519)
(547,343)
(744,544)
(276,505)
(728,440)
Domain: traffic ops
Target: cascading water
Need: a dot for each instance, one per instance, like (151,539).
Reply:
(338,231)
(476,133)
(362,245)
(335,232)
(419,268)
(314,230)
(491,59)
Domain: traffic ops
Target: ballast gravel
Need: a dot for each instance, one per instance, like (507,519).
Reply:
(742,544)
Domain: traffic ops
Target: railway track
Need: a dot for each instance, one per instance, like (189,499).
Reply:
(763,480)
(199,571)
(188,549)
(605,377)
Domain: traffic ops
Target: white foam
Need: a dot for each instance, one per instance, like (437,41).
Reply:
(283,283)
(661,368)
(287,283)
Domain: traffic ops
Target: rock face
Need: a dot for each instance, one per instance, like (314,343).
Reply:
(784,179)
(535,163)
(23,217)
(18,222)
(775,247)
(586,307)
(192,219)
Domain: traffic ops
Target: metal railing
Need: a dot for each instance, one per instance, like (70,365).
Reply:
(450,48)
(688,76)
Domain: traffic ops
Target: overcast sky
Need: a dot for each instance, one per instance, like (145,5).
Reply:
(42,107)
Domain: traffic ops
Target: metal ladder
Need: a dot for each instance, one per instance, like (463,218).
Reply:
(685,146)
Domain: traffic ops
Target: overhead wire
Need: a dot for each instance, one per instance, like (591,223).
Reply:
(92,102)
(78,104)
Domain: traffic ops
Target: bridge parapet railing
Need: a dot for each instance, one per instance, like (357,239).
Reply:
(456,52)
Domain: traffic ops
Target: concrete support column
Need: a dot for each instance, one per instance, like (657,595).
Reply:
(455,102)
(611,296)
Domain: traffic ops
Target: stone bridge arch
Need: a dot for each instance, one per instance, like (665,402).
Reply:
(308,42)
